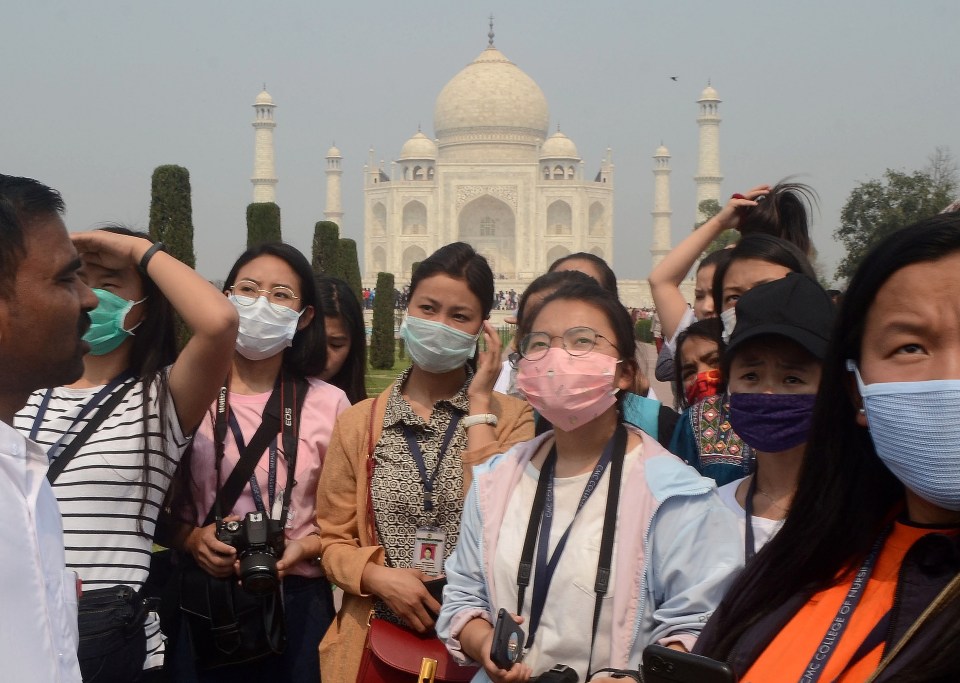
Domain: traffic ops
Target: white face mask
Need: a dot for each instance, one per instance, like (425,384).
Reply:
(436,347)
(729,320)
(265,330)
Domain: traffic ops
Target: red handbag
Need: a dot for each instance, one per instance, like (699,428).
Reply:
(393,654)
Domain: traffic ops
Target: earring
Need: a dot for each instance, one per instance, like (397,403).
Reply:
(862,411)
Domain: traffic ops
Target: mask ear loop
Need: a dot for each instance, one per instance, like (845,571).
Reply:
(127,312)
(861,387)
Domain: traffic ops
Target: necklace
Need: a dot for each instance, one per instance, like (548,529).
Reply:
(774,503)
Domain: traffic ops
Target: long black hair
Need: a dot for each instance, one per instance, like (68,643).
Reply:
(782,213)
(761,247)
(308,355)
(845,494)
(153,348)
(339,301)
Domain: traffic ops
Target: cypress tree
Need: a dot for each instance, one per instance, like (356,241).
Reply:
(171,212)
(263,223)
(326,245)
(381,338)
(350,266)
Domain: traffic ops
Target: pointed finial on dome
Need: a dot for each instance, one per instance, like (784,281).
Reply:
(708,82)
(558,126)
(264,86)
(490,35)
(418,127)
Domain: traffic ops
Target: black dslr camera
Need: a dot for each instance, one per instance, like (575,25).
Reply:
(259,543)
(561,673)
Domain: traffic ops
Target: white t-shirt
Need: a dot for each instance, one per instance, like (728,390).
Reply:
(763,529)
(563,636)
(108,537)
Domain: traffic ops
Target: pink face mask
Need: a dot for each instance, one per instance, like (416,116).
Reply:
(570,391)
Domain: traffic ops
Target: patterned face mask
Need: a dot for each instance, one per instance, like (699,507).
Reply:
(705,384)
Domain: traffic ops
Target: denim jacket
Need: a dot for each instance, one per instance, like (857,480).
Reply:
(678,548)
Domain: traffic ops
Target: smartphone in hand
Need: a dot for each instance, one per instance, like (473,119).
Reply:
(507,646)
(665,665)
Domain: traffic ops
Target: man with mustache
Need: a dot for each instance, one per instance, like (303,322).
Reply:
(43,315)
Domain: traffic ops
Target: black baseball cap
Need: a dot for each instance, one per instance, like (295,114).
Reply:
(795,307)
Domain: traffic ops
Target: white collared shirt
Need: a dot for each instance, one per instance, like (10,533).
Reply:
(38,619)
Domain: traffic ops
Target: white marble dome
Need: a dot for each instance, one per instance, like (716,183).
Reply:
(419,147)
(334,151)
(491,93)
(709,93)
(264,97)
(559,146)
(662,151)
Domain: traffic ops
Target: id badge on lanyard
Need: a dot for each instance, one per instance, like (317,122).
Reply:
(429,549)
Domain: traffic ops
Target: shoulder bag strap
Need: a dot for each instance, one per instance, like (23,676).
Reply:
(949,593)
(229,493)
(61,462)
(371,444)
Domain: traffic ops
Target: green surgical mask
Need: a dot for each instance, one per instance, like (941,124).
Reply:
(106,331)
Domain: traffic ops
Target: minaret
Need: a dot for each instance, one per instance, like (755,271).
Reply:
(606,168)
(334,210)
(708,176)
(264,171)
(661,213)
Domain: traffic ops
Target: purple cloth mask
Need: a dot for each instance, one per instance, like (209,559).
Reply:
(772,423)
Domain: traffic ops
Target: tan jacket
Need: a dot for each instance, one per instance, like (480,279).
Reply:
(345,529)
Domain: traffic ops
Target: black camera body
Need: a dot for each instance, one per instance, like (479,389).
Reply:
(561,673)
(259,542)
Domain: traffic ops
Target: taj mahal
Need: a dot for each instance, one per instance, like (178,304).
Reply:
(495,176)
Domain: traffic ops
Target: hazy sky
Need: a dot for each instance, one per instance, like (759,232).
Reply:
(101,92)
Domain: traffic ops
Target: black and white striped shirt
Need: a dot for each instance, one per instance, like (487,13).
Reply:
(108,530)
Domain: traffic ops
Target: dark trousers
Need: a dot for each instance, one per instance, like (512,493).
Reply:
(308,611)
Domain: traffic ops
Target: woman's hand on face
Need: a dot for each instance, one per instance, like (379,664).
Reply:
(488,369)
(729,216)
(110,250)
(406,596)
(214,556)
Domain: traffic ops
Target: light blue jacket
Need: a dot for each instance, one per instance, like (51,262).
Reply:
(678,549)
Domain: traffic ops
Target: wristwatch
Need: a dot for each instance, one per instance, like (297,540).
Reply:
(481,419)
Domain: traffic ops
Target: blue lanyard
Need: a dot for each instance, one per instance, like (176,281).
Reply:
(545,567)
(271,470)
(825,650)
(429,481)
(85,409)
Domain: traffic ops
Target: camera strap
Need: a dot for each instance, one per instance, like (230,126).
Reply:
(280,415)
(271,469)
(541,519)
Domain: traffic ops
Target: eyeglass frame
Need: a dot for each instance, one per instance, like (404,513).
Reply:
(515,357)
(265,292)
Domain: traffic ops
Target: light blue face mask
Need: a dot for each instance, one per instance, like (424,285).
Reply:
(436,347)
(916,433)
(106,331)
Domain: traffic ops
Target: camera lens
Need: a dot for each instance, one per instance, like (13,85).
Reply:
(258,573)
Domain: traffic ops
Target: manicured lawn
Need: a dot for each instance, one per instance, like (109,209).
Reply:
(378,380)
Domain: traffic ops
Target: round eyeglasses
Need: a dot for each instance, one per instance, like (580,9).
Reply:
(247,292)
(577,341)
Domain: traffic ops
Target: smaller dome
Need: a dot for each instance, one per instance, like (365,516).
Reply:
(419,147)
(662,151)
(709,93)
(333,152)
(264,97)
(558,146)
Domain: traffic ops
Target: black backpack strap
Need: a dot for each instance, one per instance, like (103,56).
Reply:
(61,461)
